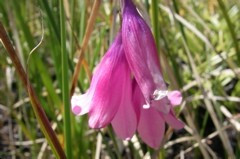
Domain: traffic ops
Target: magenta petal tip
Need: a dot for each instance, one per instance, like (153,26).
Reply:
(175,98)
(76,110)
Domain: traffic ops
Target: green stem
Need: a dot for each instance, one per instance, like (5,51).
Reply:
(231,27)
(65,86)
(50,16)
(154,8)
(111,133)
(180,24)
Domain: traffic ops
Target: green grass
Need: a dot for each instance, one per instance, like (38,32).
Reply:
(197,40)
(65,85)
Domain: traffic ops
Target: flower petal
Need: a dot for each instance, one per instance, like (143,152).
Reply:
(175,97)
(80,104)
(138,99)
(162,105)
(108,86)
(151,127)
(141,52)
(125,121)
(173,121)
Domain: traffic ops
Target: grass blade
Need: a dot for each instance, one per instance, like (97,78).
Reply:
(39,112)
(65,86)
(231,28)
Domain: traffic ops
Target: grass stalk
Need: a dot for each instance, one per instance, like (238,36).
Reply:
(86,38)
(231,28)
(186,111)
(155,23)
(38,110)
(65,84)
(111,133)
(209,106)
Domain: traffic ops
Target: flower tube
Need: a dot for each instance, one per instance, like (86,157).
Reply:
(106,91)
(141,53)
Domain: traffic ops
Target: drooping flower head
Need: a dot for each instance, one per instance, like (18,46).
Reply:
(127,80)
(141,53)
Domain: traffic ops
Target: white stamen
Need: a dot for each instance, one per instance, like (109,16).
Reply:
(159,94)
(146,106)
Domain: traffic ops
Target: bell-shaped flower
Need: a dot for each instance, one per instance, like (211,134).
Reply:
(107,89)
(141,53)
(151,125)
(113,97)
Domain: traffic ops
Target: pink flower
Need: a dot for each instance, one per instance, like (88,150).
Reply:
(140,103)
(107,90)
(141,54)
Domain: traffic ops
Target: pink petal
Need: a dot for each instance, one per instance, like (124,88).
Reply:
(108,85)
(138,99)
(175,98)
(141,52)
(80,104)
(173,121)
(162,105)
(125,121)
(151,127)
